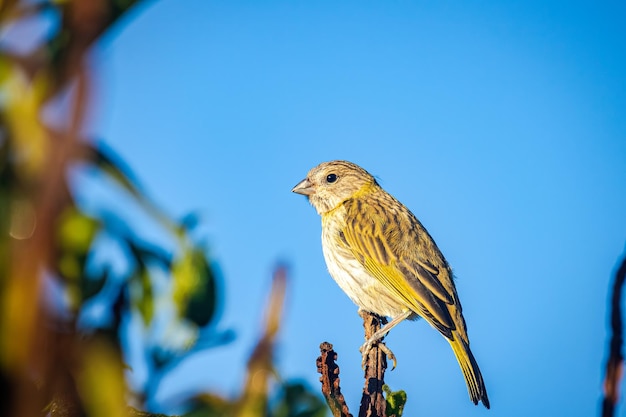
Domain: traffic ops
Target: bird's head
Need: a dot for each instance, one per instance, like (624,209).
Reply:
(331,183)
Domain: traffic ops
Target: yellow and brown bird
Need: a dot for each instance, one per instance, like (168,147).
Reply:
(385,261)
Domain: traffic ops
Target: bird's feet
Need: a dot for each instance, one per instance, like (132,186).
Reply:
(369,344)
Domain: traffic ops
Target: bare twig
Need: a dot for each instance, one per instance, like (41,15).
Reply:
(615,363)
(373,402)
(329,370)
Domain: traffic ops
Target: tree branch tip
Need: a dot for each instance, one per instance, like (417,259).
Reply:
(326,347)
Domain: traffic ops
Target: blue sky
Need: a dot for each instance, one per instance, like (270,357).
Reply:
(499,124)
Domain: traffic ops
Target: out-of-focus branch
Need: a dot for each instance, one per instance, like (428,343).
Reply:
(35,192)
(254,400)
(615,363)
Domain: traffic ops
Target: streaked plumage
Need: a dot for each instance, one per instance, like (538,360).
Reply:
(384,259)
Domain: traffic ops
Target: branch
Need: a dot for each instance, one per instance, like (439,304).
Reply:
(615,364)
(373,402)
(329,370)
(254,399)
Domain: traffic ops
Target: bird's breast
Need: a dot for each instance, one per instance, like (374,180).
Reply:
(365,290)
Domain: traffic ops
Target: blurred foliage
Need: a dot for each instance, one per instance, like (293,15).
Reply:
(53,359)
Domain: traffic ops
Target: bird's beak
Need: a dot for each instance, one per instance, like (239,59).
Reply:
(304,187)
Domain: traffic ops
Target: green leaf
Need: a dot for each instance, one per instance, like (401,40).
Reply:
(395,401)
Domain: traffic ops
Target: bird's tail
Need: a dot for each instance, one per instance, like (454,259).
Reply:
(471,372)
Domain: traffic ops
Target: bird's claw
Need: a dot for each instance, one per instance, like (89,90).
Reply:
(367,346)
(365,350)
(389,354)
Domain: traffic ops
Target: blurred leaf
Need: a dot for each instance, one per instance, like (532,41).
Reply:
(142,295)
(211,405)
(194,290)
(296,400)
(21,103)
(75,234)
(92,285)
(70,266)
(113,165)
(5,70)
(76,230)
(140,250)
(109,162)
(189,222)
(202,304)
(101,367)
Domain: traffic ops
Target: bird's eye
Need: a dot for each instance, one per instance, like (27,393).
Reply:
(330,178)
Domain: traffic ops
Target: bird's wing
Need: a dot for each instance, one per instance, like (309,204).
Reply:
(380,244)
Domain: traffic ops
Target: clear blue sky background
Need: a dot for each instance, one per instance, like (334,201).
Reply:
(500,124)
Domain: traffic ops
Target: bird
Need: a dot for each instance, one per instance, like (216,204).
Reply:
(385,260)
